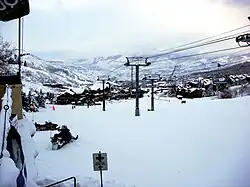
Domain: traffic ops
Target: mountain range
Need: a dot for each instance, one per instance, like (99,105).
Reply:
(79,72)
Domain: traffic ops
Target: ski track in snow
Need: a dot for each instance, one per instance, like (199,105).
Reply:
(203,143)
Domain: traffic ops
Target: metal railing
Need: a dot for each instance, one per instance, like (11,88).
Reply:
(62,181)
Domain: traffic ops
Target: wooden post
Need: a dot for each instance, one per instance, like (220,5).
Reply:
(16,97)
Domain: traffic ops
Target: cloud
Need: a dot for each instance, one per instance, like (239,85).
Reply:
(94,27)
(245,3)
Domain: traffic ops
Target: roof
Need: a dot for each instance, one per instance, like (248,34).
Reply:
(66,92)
(10,79)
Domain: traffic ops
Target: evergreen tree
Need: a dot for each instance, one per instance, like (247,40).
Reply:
(25,102)
(6,55)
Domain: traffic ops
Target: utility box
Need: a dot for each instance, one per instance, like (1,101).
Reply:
(14,82)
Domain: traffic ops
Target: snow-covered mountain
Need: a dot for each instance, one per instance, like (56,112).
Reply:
(78,72)
(71,73)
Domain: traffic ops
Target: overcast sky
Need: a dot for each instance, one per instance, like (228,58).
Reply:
(74,28)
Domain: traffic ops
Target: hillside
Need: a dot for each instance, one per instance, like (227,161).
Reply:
(79,72)
(242,68)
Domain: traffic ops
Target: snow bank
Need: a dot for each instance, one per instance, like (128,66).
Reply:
(8,169)
(26,128)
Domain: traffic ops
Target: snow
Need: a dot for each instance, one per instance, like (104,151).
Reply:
(78,90)
(222,79)
(8,170)
(26,128)
(78,72)
(207,82)
(67,91)
(192,89)
(27,86)
(201,143)
(6,101)
(112,83)
(98,85)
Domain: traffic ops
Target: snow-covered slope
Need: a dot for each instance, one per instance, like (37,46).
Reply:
(204,144)
(78,72)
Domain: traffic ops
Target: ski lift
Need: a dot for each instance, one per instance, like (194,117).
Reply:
(148,63)
(126,64)
(245,38)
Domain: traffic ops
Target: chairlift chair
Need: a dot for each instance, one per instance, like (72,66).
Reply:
(245,38)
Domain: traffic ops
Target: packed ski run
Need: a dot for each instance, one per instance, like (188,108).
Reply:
(203,142)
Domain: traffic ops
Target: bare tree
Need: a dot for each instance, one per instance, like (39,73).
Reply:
(6,55)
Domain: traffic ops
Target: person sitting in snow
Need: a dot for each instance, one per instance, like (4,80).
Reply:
(64,134)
